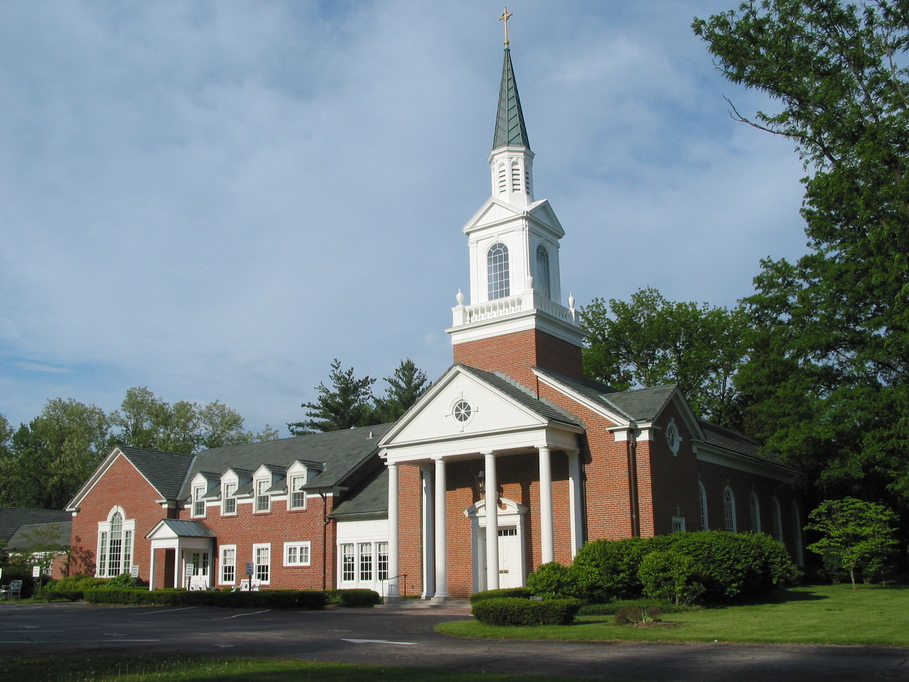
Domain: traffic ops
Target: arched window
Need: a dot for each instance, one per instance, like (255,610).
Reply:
(702,498)
(497,271)
(777,520)
(755,513)
(729,510)
(543,271)
(115,545)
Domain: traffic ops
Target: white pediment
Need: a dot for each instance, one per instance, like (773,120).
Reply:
(542,214)
(492,213)
(462,407)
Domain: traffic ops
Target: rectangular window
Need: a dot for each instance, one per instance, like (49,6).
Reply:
(228,501)
(366,561)
(296,554)
(102,556)
(198,502)
(348,564)
(229,564)
(127,550)
(262,558)
(297,494)
(263,502)
(678,524)
(382,560)
(114,556)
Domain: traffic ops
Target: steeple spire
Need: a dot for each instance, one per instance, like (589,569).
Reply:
(510,128)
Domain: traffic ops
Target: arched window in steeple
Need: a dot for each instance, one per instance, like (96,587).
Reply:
(543,271)
(497,271)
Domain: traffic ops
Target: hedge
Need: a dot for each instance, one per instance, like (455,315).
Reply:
(525,612)
(357,598)
(277,599)
(505,592)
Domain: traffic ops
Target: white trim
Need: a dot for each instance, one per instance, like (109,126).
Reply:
(221,564)
(255,558)
(298,548)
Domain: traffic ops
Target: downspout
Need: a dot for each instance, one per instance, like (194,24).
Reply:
(633,482)
(325,522)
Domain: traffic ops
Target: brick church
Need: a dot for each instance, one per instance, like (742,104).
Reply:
(403,508)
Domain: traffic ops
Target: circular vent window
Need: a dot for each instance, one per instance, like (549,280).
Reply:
(462,411)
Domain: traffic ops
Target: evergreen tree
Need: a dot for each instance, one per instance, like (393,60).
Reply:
(346,403)
(404,388)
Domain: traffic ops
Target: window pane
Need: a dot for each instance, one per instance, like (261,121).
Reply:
(262,563)
(366,561)
(347,563)
(543,270)
(497,271)
(382,560)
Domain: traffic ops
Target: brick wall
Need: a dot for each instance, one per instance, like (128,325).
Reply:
(514,354)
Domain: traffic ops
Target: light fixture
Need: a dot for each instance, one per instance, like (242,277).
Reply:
(481,482)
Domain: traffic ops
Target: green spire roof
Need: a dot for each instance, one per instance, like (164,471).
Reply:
(510,129)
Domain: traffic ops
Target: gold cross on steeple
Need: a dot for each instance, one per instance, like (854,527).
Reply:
(505,17)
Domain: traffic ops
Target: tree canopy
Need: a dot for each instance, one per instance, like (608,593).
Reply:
(43,463)
(827,383)
(649,341)
(348,400)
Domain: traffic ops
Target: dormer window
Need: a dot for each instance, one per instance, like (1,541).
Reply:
(198,500)
(497,271)
(297,493)
(228,501)
(263,500)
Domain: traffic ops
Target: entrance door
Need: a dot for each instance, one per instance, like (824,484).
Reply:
(198,579)
(510,573)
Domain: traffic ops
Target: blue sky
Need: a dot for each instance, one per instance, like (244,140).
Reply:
(215,199)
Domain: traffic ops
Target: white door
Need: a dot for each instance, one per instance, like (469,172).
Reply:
(510,558)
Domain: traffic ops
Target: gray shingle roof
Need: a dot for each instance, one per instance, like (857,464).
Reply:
(57,533)
(371,499)
(340,451)
(12,518)
(188,529)
(164,470)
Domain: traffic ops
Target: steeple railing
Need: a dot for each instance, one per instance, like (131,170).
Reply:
(512,305)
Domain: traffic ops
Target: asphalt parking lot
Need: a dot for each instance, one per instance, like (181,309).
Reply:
(405,637)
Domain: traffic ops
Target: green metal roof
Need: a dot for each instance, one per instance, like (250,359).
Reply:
(510,128)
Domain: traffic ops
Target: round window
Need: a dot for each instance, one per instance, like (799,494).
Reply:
(462,411)
(673,437)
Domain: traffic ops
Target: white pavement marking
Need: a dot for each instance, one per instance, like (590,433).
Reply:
(375,641)
(149,613)
(240,615)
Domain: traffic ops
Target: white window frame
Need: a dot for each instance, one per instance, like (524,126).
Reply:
(498,275)
(348,558)
(543,272)
(678,524)
(292,481)
(702,493)
(729,519)
(755,510)
(228,501)
(224,562)
(777,520)
(262,570)
(260,492)
(199,501)
(298,553)
(103,569)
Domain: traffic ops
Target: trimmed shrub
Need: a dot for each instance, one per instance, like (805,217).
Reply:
(670,576)
(613,567)
(525,612)
(356,598)
(513,592)
(276,599)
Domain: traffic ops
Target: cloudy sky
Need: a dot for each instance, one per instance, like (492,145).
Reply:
(215,199)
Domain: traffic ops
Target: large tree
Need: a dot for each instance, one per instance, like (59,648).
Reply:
(649,341)
(404,388)
(51,456)
(345,403)
(827,386)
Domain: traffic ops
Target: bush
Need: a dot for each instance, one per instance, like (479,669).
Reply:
(512,592)
(353,598)
(613,567)
(276,599)
(525,612)
(670,576)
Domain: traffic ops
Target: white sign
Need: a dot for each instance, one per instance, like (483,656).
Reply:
(133,571)
(36,571)
(250,568)
(189,570)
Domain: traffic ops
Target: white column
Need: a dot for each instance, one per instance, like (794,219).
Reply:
(574,500)
(428,534)
(547,552)
(151,577)
(394,568)
(441,535)
(492,522)
(178,568)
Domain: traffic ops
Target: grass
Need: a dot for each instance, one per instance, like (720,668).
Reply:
(200,669)
(829,614)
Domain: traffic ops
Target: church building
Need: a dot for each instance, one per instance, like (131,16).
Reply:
(403,508)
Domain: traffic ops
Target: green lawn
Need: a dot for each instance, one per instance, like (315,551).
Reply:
(197,669)
(829,614)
